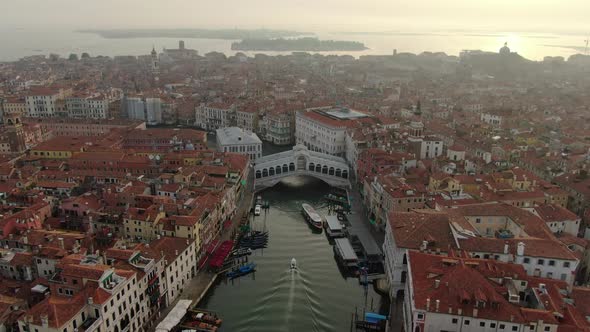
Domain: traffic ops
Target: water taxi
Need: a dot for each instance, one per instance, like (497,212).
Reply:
(312,217)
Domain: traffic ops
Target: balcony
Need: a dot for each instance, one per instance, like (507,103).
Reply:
(112,282)
(91,324)
(140,262)
(153,279)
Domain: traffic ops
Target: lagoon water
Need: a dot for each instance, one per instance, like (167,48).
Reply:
(18,42)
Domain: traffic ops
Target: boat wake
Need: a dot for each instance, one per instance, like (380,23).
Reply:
(291,299)
(292,290)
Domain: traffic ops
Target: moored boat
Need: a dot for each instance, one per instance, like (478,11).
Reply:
(205,317)
(240,252)
(241,271)
(312,217)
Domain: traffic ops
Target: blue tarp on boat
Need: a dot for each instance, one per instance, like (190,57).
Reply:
(374,318)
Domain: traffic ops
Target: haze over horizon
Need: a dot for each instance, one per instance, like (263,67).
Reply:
(568,16)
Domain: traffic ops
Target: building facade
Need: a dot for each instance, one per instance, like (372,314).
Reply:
(234,139)
(214,116)
(87,107)
(324,129)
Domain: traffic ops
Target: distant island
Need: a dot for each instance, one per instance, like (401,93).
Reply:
(230,34)
(306,44)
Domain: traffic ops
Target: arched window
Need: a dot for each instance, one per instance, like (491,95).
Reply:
(285,168)
(318,168)
(258,174)
(325,169)
(345,174)
(278,169)
(331,171)
(291,167)
(311,166)
(338,172)
(271,171)
(264,173)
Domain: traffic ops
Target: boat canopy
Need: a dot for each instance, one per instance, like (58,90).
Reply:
(311,212)
(374,318)
(345,249)
(333,223)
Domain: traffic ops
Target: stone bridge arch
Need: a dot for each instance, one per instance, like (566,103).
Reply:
(271,169)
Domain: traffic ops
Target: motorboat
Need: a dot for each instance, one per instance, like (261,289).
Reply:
(312,217)
(205,317)
(293,264)
(241,271)
(240,252)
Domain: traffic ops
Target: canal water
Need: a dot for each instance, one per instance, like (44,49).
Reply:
(315,298)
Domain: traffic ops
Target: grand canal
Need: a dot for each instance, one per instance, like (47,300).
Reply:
(315,298)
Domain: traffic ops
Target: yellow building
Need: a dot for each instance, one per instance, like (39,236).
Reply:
(143,224)
(59,148)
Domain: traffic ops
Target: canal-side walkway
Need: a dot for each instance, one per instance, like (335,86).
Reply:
(359,221)
(198,286)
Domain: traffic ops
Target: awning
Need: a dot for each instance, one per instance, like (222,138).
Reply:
(39,289)
(174,317)
(211,247)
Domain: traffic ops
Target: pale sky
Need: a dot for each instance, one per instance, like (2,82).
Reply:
(325,15)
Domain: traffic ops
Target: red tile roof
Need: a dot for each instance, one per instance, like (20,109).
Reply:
(410,229)
(551,212)
(457,282)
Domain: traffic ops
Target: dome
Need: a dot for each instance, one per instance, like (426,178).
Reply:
(505,49)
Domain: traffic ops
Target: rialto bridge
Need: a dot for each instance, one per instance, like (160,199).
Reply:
(270,170)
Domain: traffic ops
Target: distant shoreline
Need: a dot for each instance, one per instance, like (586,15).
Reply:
(225,34)
(306,44)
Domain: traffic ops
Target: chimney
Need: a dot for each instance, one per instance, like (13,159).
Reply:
(506,248)
(90,300)
(436,283)
(45,321)
(512,318)
(474,312)
(450,310)
(520,249)
(176,252)
(60,240)
(459,311)
(424,245)
(25,240)
(437,305)
(428,304)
